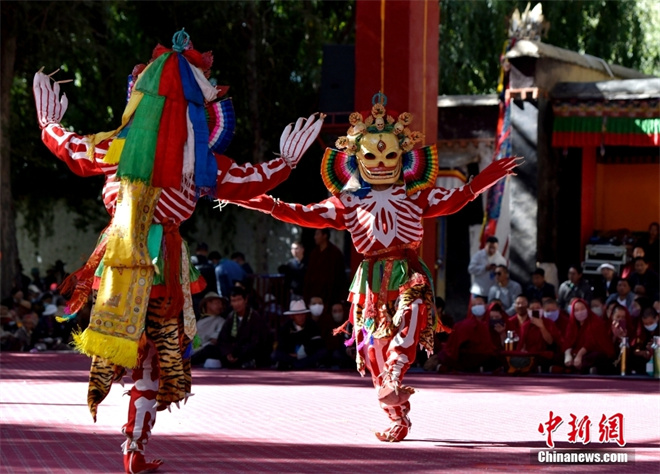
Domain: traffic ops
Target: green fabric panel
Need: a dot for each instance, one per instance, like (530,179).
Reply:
(149,81)
(398,278)
(646,126)
(137,158)
(578,124)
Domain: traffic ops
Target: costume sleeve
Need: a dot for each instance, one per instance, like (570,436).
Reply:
(328,213)
(242,182)
(72,148)
(442,202)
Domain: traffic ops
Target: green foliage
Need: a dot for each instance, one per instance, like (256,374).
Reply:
(269,53)
(472,35)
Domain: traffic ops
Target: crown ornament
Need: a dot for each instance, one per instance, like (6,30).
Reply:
(377,120)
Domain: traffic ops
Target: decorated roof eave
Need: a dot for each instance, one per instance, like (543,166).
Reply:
(627,89)
(537,49)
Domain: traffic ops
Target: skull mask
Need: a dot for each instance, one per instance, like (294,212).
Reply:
(379,158)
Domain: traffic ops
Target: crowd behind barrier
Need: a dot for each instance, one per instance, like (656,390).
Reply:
(605,324)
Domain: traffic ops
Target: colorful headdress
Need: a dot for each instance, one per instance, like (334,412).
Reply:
(340,170)
(172,122)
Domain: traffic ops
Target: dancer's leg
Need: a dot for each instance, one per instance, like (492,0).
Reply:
(141,411)
(388,359)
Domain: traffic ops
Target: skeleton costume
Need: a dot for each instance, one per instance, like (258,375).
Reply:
(382,189)
(166,154)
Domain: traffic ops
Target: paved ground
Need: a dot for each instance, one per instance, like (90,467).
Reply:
(317,422)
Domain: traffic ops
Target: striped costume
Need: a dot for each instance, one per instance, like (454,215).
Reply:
(391,292)
(382,189)
(165,155)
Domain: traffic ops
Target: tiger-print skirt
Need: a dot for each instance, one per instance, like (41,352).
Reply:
(167,335)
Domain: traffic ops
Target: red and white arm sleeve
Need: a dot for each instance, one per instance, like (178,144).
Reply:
(242,182)
(72,148)
(328,213)
(442,202)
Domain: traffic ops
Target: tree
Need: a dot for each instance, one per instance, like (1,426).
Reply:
(268,52)
(472,35)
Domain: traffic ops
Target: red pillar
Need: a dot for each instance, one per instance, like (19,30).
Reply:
(588,196)
(396,52)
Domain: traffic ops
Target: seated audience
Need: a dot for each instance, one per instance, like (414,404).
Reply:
(497,318)
(339,356)
(623,295)
(51,334)
(606,284)
(642,351)
(469,346)
(587,345)
(555,314)
(539,289)
(299,343)
(205,345)
(644,281)
(621,326)
(244,339)
(23,338)
(538,337)
(574,287)
(505,290)
(597,304)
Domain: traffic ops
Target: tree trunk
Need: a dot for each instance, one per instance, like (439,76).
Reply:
(9,269)
(262,222)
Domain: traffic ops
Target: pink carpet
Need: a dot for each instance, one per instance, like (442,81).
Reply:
(317,422)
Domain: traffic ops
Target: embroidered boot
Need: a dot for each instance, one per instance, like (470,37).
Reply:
(134,461)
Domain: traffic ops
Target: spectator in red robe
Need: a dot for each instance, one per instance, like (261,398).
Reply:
(642,350)
(622,325)
(587,345)
(558,316)
(497,321)
(469,346)
(536,335)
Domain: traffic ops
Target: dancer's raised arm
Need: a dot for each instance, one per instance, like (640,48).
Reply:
(442,202)
(328,213)
(242,182)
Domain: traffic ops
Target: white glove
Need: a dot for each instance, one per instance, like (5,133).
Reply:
(50,107)
(296,139)
(568,358)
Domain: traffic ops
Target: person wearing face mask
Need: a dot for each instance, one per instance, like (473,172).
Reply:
(555,314)
(638,307)
(598,306)
(320,314)
(340,355)
(469,346)
(587,347)
(316,307)
(536,336)
(642,350)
